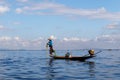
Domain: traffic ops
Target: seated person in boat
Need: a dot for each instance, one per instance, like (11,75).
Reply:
(68,55)
(91,52)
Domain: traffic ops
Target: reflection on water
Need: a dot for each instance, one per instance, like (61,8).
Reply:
(52,71)
(91,68)
(51,61)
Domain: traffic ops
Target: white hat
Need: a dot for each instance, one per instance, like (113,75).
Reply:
(51,37)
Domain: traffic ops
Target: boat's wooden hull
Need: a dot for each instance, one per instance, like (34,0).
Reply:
(73,58)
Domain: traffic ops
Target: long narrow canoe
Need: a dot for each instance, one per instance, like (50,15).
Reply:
(73,57)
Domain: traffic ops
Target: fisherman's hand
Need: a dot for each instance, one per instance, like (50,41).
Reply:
(46,46)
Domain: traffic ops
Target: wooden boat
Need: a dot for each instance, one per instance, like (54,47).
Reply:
(80,58)
(83,58)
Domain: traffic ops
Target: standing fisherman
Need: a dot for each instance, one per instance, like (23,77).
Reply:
(50,44)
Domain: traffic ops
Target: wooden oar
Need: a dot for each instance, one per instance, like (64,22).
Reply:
(98,52)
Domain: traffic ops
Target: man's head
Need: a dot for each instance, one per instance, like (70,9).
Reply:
(91,52)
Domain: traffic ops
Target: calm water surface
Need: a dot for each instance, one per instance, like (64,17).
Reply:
(36,65)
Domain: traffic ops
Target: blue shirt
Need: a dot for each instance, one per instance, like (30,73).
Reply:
(50,43)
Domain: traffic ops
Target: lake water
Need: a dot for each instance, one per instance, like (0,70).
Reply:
(36,65)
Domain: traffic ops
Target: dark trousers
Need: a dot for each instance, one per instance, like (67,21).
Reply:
(51,50)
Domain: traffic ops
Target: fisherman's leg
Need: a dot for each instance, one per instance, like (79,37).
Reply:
(51,50)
